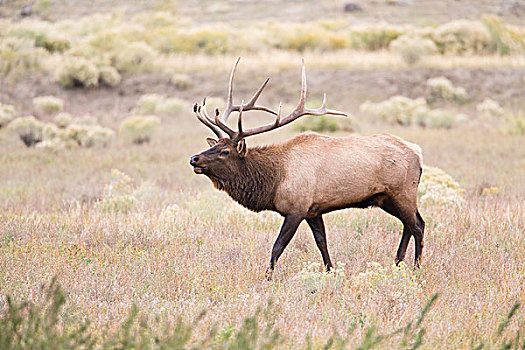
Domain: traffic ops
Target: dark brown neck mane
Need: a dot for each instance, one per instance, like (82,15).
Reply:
(253,180)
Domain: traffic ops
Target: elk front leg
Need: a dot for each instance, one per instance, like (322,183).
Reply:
(290,225)
(317,226)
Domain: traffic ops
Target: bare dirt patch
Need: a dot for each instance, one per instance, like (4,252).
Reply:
(346,89)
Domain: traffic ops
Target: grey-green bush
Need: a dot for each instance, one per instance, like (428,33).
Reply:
(442,89)
(139,129)
(109,76)
(7,113)
(48,104)
(77,71)
(29,129)
(412,49)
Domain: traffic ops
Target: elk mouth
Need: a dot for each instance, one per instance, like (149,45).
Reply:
(199,169)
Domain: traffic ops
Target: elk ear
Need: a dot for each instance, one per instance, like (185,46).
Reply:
(241,148)
(211,141)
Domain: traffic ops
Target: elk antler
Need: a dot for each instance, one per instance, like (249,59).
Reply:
(219,127)
(202,115)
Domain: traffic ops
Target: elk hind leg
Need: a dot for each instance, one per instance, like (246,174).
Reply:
(404,211)
(418,237)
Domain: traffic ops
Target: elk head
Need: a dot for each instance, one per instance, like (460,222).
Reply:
(230,147)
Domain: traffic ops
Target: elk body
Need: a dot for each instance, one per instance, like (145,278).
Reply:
(310,175)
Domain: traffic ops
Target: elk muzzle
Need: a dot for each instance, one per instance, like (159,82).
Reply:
(194,161)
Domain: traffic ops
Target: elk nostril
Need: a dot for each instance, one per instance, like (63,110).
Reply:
(194,160)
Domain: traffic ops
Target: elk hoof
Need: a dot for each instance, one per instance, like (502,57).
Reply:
(269,274)
(397,261)
(417,264)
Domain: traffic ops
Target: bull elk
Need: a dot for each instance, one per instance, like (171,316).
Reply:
(310,174)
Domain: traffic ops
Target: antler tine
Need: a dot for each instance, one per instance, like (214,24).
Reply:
(197,110)
(252,101)
(205,112)
(239,120)
(278,119)
(304,87)
(251,105)
(229,99)
(223,126)
(323,110)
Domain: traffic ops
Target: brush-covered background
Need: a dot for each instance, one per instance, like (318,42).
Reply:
(96,131)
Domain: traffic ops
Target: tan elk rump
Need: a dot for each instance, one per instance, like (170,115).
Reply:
(310,175)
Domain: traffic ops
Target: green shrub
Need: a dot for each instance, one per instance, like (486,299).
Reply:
(77,71)
(412,49)
(442,89)
(439,188)
(86,119)
(181,81)
(304,37)
(313,281)
(119,193)
(171,39)
(462,37)
(97,136)
(50,131)
(105,41)
(89,135)
(170,106)
(108,76)
(76,133)
(399,284)
(7,113)
(209,41)
(490,108)
(54,42)
(147,104)
(28,129)
(438,119)
(62,120)
(138,129)
(157,104)
(122,194)
(55,145)
(48,104)
(26,325)
(20,54)
(68,132)
(134,57)
(513,123)
(397,109)
(42,33)
(168,40)
(318,124)
(374,36)
(406,111)
(506,38)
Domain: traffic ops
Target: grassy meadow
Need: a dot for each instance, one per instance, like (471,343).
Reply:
(114,242)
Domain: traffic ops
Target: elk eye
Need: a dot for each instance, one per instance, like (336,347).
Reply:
(225,152)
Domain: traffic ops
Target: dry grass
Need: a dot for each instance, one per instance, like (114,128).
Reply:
(345,59)
(184,247)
